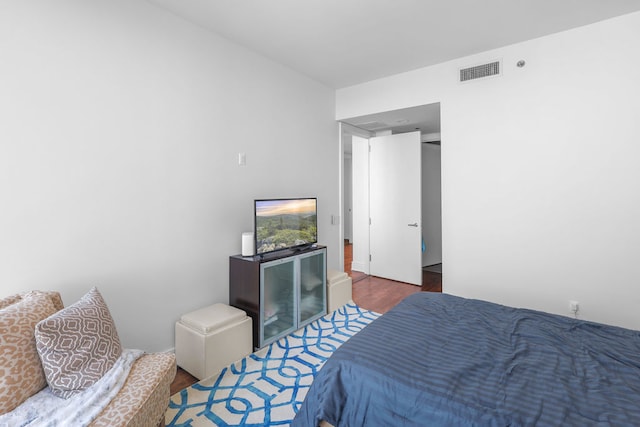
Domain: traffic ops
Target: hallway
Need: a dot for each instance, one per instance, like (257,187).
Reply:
(378,294)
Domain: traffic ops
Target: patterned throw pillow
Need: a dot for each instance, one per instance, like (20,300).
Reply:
(55,298)
(6,302)
(78,345)
(21,373)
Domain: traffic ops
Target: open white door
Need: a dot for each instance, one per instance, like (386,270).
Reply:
(360,203)
(395,199)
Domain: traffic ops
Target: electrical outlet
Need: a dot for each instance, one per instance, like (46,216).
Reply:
(574,306)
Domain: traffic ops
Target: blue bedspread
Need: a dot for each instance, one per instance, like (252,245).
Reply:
(440,360)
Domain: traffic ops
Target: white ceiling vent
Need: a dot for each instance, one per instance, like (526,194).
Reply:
(480,71)
(372,125)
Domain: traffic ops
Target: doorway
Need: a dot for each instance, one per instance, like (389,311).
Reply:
(426,120)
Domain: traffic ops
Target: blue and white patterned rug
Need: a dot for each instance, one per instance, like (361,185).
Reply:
(267,387)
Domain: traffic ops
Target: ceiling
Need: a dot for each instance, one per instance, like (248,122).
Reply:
(340,43)
(345,42)
(424,118)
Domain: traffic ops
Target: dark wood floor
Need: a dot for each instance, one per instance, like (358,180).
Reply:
(182,380)
(432,278)
(369,292)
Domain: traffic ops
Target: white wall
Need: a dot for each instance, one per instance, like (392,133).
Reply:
(121,126)
(431,205)
(540,200)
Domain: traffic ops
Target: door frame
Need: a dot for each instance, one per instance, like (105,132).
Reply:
(361,254)
(345,130)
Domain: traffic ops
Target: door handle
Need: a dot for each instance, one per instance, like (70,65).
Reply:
(415,224)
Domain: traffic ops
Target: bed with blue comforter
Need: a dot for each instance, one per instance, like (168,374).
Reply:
(440,360)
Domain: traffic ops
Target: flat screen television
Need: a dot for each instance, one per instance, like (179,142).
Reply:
(285,224)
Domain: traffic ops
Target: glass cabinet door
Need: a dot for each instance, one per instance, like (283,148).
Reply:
(312,290)
(277,300)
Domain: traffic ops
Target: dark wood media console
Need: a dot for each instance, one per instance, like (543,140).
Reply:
(280,291)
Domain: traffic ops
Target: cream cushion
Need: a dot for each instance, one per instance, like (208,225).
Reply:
(214,317)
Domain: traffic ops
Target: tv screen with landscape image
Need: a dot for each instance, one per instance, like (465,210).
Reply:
(284,224)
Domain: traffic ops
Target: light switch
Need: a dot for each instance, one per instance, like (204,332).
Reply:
(242,159)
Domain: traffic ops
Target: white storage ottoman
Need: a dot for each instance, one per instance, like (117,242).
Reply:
(338,289)
(212,338)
